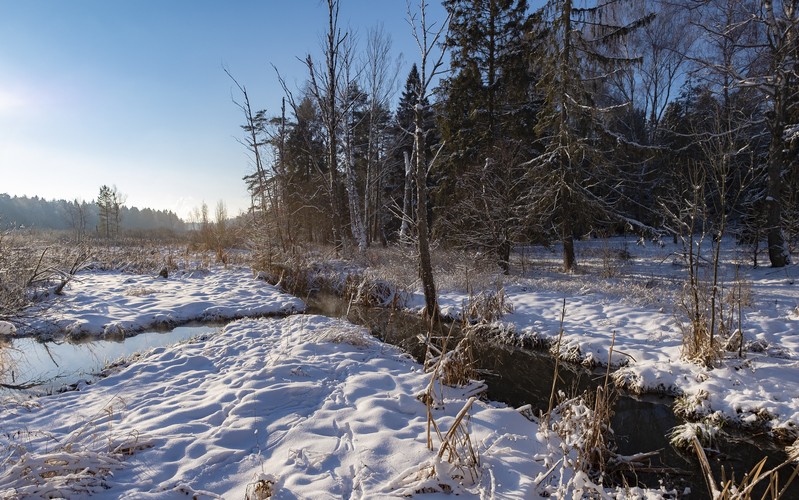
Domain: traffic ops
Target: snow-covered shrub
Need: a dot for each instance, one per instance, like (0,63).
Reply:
(261,488)
(583,424)
(682,435)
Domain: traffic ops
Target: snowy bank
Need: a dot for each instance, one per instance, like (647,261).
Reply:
(637,302)
(114,304)
(306,407)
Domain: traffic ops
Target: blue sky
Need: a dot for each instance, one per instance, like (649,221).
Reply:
(132,93)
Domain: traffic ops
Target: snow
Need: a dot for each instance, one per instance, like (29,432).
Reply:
(7,328)
(761,388)
(307,406)
(314,404)
(113,304)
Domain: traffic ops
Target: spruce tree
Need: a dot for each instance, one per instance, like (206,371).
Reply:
(577,47)
(486,119)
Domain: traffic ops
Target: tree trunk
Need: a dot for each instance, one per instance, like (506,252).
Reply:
(407,213)
(332,120)
(356,220)
(782,35)
(777,253)
(431,311)
(568,251)
(504,255)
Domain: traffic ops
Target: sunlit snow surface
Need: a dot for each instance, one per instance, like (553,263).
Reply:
(314,404)
(114,304)
(638,304)
(331,415)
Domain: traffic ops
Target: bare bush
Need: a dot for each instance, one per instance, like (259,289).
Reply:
(30,271)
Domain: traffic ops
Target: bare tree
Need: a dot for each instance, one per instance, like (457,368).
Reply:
(379,82)
(429,38)
(755,44)
(350,93)
(663,46)
(324,83)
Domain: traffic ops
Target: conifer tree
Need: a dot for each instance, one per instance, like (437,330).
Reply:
(487,123)
(577,49)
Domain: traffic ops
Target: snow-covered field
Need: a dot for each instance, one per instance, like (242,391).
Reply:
(114,304)
(302,406)
(307,406)
(638,303)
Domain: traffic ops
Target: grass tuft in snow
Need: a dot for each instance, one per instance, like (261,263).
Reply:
(346,333)
(487,306)
(682,436)
(261,488)
(457,462)
(77,465)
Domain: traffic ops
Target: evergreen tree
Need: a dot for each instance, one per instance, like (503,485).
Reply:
(578,48)
(487,123)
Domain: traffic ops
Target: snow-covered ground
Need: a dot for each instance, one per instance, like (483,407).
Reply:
(637,304)
(303,406)
(312,405)
(114,304)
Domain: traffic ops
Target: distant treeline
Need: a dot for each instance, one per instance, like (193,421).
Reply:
(21,211)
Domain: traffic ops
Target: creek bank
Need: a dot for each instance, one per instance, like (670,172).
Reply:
(519,376)
(647,358)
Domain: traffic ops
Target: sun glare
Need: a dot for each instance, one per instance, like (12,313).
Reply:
(9,101)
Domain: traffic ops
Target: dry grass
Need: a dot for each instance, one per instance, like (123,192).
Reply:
(457,461)
(487,305)
(346,333)
(730,489)
(74,466)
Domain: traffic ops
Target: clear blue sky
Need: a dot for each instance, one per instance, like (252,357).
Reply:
(132,93)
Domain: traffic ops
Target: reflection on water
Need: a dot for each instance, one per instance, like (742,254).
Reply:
(518,377)
(60,364)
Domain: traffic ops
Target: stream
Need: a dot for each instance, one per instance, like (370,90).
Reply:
(517,377)
(514,376)
(56,366)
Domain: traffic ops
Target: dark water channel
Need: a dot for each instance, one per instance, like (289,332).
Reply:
(519,377)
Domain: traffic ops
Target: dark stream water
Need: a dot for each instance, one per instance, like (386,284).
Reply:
(514,376)
(519,377)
